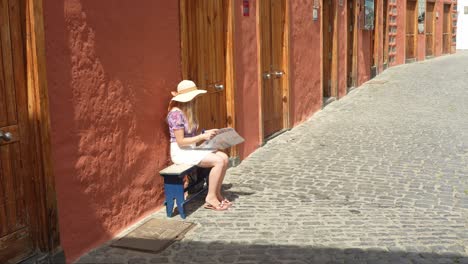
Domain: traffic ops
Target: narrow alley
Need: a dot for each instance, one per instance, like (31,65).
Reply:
(380,176)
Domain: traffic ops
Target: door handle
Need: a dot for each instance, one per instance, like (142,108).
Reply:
(278,74)
(267,75)
(6,136)
(219,87)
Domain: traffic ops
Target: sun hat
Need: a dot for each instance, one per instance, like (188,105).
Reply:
(186,91)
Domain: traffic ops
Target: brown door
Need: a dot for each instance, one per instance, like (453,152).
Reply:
(410,29)
(430,28)
(350,45)
(204,57)
(327,56)
(15,228)
(272,30)
(385,33)
(446,27)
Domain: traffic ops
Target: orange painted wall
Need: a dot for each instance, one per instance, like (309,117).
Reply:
(246,74)
(111,68)
(306,91)
(401,31)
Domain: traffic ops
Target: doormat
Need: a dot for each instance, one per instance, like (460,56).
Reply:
(154,236)
(377,82)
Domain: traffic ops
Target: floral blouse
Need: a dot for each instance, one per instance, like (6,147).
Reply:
(177,120)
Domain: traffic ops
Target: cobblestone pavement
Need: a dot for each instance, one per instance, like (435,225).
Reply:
(380,176)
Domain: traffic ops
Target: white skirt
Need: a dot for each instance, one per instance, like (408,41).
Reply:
(187,156)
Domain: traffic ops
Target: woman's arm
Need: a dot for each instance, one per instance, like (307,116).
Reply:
(185,141)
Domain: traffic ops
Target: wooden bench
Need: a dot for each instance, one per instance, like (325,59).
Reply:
(174,185)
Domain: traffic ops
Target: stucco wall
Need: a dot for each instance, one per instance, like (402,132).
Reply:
(110,70)
(246,70)
(306,91)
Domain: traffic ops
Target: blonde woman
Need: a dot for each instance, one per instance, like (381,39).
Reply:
(183,127)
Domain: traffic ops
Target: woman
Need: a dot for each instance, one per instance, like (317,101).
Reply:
(183,126)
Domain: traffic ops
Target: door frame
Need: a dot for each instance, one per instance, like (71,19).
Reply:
(40,187)
(46,214)
(415,30)
(353,73)
(230,66)
(433,22)
(285,80)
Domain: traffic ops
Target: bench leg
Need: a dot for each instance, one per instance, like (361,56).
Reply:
(174,189)
(180,200)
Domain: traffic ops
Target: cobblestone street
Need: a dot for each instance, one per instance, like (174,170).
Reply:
(380,176)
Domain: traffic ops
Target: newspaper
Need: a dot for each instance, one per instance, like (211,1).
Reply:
(225,138)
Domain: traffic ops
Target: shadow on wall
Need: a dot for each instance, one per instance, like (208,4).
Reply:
(218,252)
(110,75)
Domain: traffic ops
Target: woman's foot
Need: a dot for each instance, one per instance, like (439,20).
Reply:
(226,201)
(216,207)
(214,204)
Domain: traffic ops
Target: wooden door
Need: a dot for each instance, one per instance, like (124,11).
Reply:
(430,21)
(272,22)
(411,29)
(446,27)
(204,24)
(327,50)
(350,43)
(385,33)
(15,175)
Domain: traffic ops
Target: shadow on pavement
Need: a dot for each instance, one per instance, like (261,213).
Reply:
(219,252)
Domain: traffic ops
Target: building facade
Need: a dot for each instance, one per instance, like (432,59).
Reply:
(93,83)
(462,25)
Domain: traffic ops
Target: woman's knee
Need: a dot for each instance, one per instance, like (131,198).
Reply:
(224,157)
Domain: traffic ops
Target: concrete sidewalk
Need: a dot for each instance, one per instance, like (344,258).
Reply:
(380,176)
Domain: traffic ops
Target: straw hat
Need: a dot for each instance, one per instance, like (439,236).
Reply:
(186,91)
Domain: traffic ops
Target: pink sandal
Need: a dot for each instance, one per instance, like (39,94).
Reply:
(221,207)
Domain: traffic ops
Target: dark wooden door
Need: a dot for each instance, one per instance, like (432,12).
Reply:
(350,43)
(15,226)
(446,29)
(430,22)
(204,57)
(411,29)
(385,32)
(272,30)
(327,39)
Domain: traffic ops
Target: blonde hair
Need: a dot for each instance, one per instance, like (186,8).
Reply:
(189,110)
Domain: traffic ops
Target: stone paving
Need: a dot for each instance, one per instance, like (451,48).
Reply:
(380,176)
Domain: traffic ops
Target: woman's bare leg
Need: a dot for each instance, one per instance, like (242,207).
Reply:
(225,159)
(216,163)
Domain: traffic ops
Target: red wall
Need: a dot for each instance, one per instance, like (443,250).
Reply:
(401,33)
(306,91)
(246,78)
(110,70)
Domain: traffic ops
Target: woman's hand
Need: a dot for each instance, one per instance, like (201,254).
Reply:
(209,134)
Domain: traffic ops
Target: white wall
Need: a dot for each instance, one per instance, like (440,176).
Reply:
(462,25)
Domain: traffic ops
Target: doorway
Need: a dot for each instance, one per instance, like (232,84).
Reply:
(350,72)
(430,25)
(328,28)
(207,59)
(273,27)
(16,228)
(411,31)
(385,34)
(27,204)
(447,30)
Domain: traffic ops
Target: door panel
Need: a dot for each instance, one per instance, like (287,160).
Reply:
(205,32)
(15,236)
(327,55)
(350,46)
(410,29)
(385,32)
(272,24)
(430,28)
(446,33)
